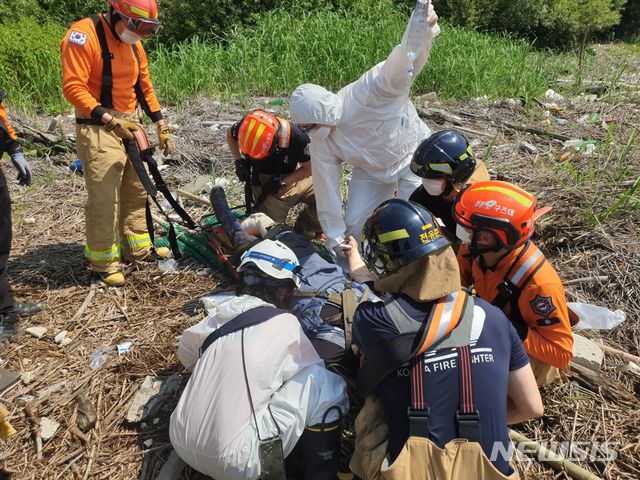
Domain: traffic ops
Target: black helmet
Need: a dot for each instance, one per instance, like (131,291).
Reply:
(397,233)
(446,154)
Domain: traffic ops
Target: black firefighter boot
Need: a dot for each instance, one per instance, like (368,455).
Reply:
(319,450)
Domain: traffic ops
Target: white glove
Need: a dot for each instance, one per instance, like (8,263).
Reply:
(342,249)
(257,224)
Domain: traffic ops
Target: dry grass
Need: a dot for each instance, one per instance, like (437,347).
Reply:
(153,309)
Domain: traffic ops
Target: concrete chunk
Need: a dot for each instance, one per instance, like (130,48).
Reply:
(48,428)
(37,332)
(587,353)
(151,396)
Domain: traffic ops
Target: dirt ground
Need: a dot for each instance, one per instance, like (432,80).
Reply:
(591,237)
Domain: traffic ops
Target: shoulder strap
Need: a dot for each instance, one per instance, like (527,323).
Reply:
(467,416)
(526,265)
(247,319)
(106,89)
(142,100)
(444,316)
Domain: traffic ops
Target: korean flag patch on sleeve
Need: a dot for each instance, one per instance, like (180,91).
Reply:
(78,38)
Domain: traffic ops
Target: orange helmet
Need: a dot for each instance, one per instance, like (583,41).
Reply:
(260,133)
(140,16)
(498,207)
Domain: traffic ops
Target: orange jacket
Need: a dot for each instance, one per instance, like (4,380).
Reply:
(82,70)
(6,125)
(542,303)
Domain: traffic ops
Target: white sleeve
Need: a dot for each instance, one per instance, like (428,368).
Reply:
(326,186)
(394,78)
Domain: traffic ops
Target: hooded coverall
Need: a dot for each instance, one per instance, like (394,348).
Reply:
(8,143)
(212,428)
(376,129)
(542,305)
(115,210)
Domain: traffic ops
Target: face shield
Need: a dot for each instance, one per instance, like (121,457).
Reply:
(313,104)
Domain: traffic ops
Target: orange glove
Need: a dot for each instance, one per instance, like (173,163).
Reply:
(121,128)
(164,138)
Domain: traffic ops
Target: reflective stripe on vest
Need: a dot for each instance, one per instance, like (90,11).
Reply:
(285,133)
(529,262)
(445,316)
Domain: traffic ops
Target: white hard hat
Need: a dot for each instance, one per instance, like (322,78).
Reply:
(273,258)
(313,104)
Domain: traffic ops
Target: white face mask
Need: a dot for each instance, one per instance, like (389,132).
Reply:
(127,36)
(434,187)
(465,235)
(320,133)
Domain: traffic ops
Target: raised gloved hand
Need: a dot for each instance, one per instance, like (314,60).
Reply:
(243,169)
(272,187)
(164,138)
(24,170)
(121,128)
(257,224)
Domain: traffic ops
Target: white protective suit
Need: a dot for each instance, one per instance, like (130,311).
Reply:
(212,428)
(375,128)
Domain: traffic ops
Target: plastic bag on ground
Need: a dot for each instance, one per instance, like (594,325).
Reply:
(595,317)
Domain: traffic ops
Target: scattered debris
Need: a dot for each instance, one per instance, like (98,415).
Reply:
(34,417)
(587,353)
(60,337)
(86,418)
(553,96)
(631,367)
(148,443)
(6,430)
(7,379)
(27,377)
(47,392)
(152,394)
(99,356)
(37,332)
(48,428)
(29,220)
(529,148)
(124,348)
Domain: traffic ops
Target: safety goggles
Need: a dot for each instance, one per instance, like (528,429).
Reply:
(144,27)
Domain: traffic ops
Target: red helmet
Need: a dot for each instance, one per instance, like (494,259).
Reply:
(260,133)
(498,207)
(140,16)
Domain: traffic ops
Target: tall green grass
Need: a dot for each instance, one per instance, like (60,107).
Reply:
(284,49)
(30,68)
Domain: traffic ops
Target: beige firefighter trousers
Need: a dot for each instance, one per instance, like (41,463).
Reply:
(547,374)
(115,221)
(420,458)
(277,206)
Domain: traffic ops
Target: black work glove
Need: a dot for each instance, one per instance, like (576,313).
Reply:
(522,329)
(272,187)
(243,169)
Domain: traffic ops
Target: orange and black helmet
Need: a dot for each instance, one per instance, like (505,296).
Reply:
(507,211)
(140,16)
(260,133)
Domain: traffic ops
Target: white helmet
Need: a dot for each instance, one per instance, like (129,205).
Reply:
(313,104)
(274,259)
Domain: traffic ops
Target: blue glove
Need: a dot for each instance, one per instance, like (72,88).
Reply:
(24,170)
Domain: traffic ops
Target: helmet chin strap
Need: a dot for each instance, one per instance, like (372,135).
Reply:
(476,251)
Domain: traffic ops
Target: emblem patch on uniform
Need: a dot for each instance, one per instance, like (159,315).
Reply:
(78,38)
(542,306)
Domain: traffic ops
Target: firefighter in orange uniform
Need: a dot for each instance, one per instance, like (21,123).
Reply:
(272,157)
(495,221)
(106,77)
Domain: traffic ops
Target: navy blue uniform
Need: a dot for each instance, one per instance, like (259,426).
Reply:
(496,350)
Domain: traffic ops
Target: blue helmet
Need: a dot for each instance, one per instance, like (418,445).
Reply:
(446,154)
(398,233)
